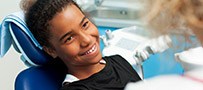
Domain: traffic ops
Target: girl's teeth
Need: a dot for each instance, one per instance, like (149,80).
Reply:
(91,50)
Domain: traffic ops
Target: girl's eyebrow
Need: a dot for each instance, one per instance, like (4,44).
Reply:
(83,19)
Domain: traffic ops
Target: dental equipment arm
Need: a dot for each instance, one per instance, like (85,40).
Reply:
(133,44)
(155,45)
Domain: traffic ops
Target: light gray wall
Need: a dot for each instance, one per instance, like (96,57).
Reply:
(10,64)
(8,6)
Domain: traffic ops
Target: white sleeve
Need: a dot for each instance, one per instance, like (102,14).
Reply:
(165,82)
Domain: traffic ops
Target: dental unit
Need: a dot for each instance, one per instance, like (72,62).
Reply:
(134,45)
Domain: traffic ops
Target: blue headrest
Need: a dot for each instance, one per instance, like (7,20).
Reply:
(32,54)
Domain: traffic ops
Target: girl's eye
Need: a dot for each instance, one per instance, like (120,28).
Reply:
(68,39)
(85,24)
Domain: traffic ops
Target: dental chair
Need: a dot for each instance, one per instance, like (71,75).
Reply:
(39,76)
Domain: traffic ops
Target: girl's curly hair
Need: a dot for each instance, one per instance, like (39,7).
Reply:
(38,13)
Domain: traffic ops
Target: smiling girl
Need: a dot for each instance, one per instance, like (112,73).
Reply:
(69,36)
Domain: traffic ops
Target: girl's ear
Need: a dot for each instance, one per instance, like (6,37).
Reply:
(50,51)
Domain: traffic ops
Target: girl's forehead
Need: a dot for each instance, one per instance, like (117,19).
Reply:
(65,21)
(68,16)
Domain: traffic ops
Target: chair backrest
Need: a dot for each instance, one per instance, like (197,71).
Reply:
(31,53)
(42,77)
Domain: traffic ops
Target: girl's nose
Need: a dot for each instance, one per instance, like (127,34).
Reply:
(85,39)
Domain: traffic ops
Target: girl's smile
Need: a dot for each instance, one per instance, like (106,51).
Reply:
(91,51)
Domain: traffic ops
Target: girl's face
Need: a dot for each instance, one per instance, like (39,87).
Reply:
(74,38)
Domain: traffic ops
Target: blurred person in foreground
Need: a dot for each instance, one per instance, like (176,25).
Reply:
(168,17)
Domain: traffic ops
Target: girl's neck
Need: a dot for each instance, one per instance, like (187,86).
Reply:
(86,71)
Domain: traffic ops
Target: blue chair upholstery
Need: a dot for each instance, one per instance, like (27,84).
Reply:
(43,77)
(39,78)
(37,56)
